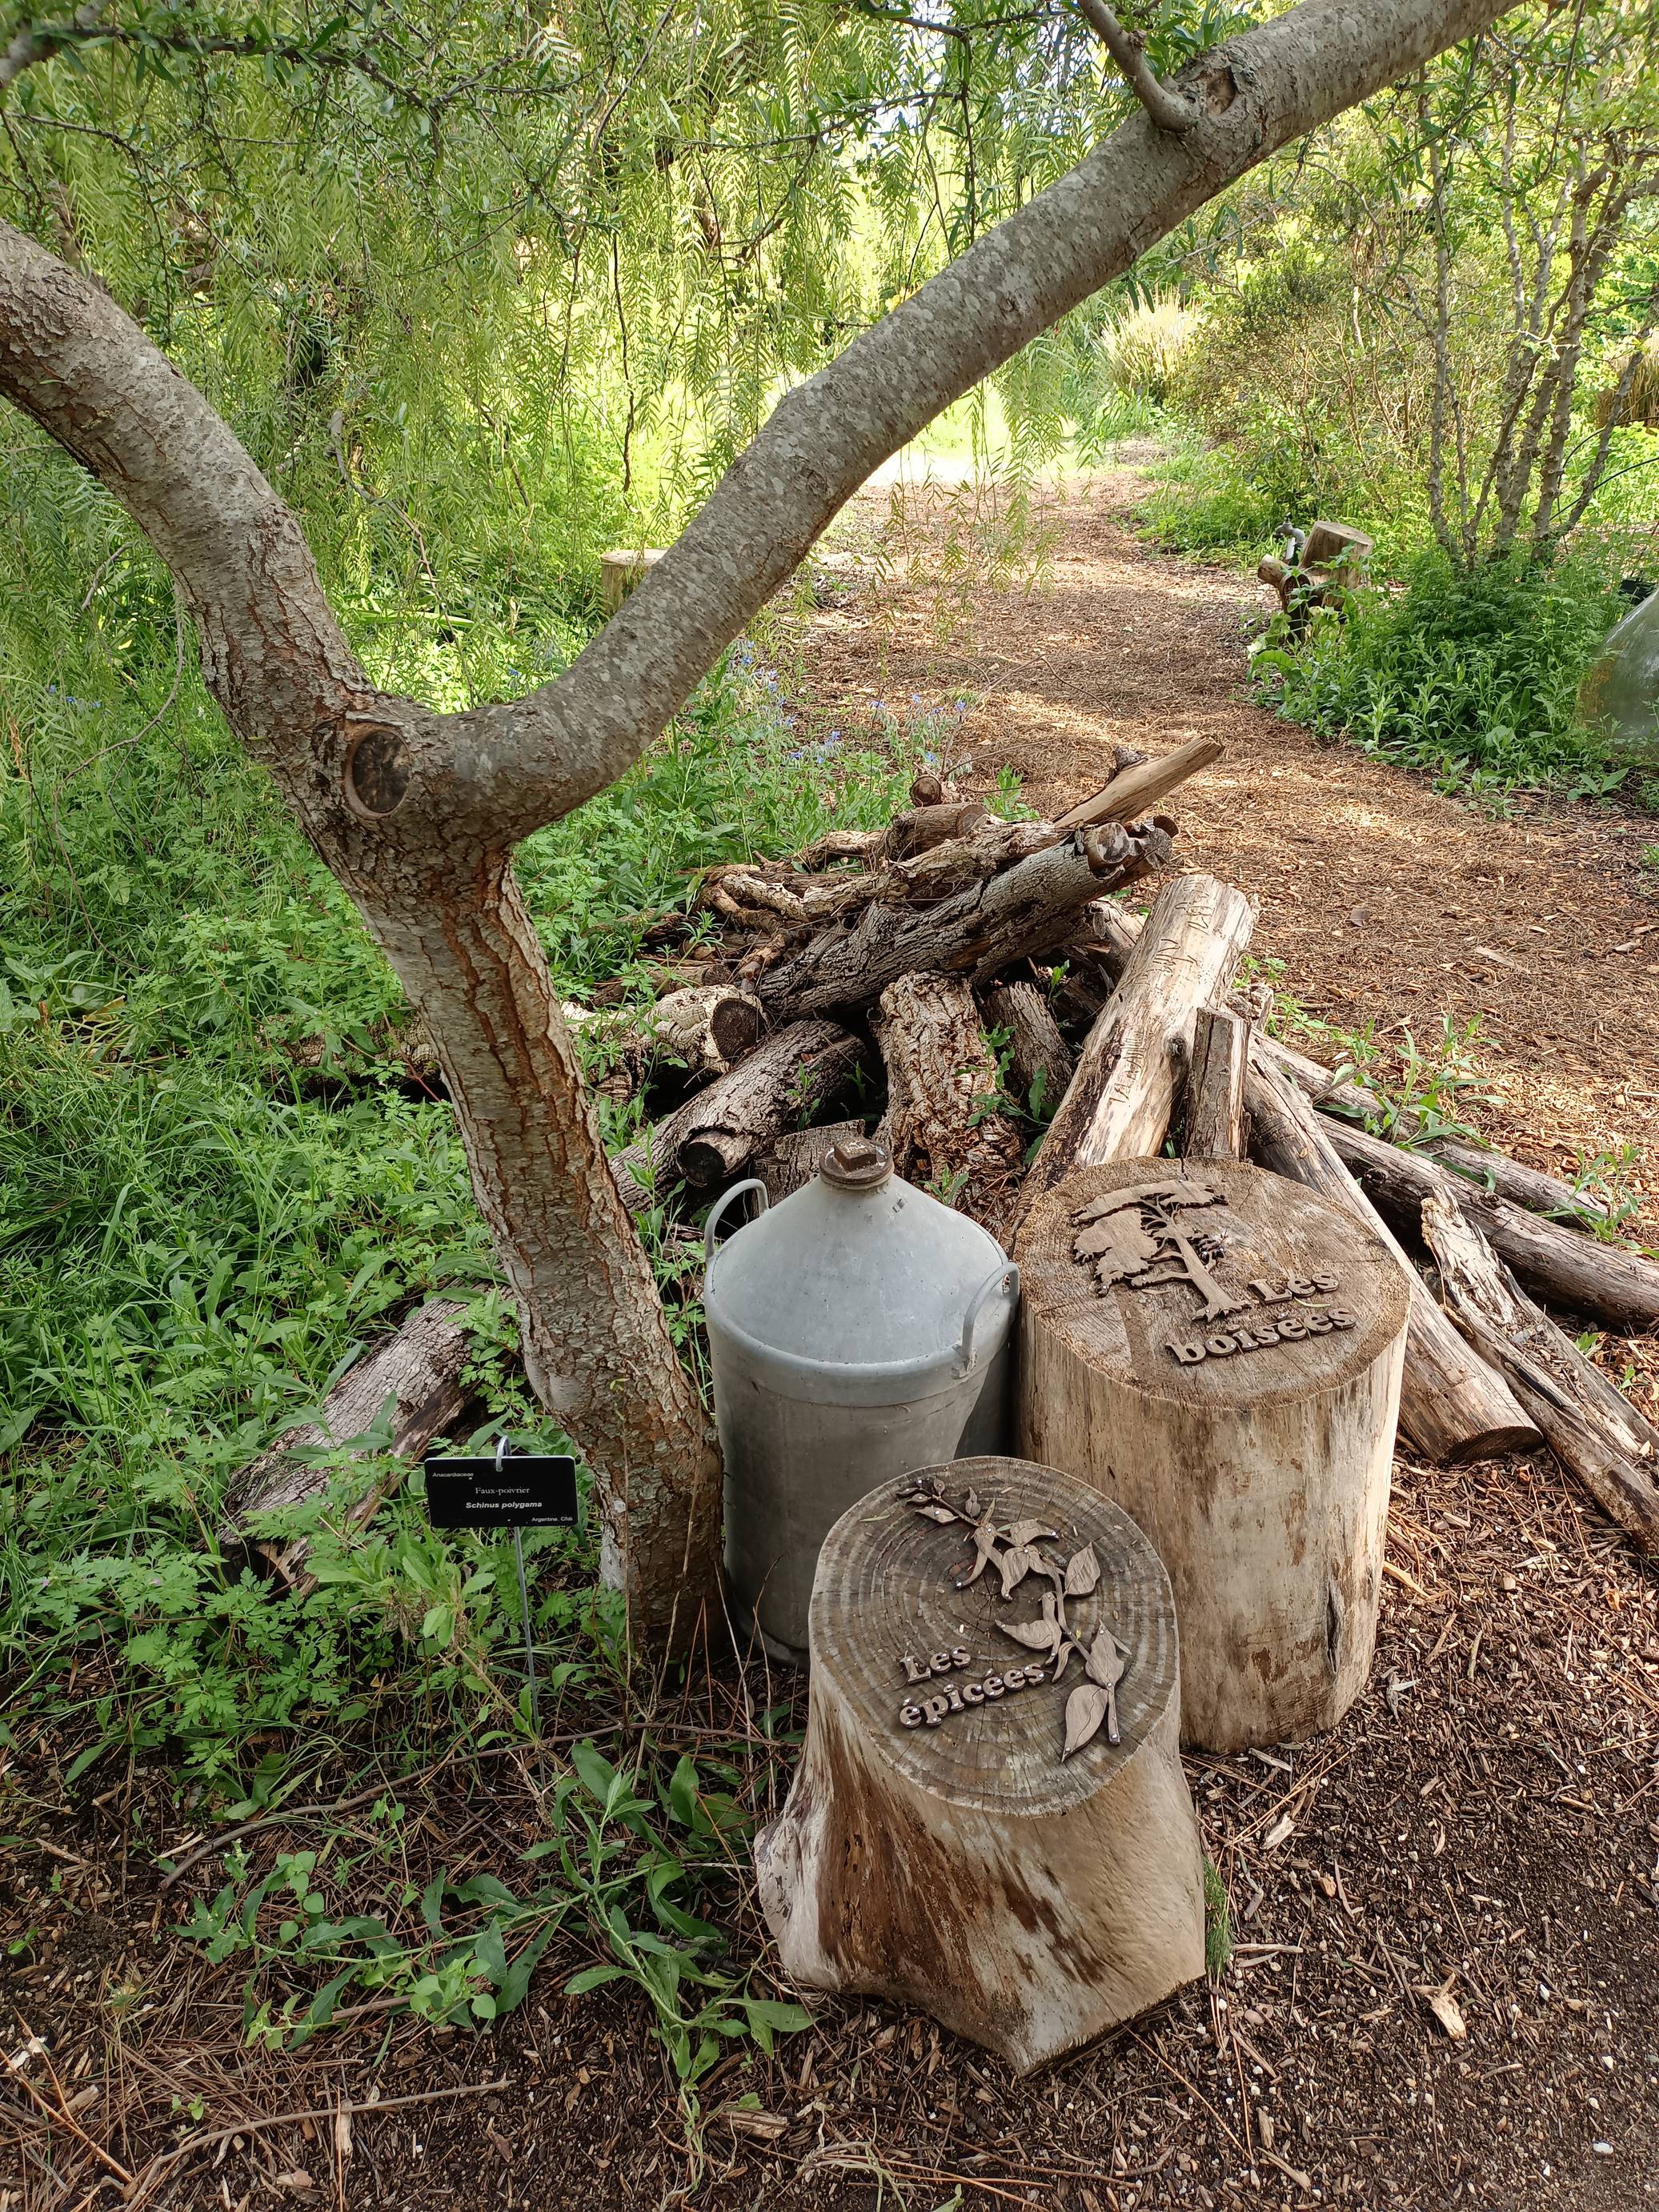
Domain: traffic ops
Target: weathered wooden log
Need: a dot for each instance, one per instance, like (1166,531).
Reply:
(1135,790)
(1111,934)
(1027,908)
(795,1158)
(1221,1354)
(1604,1282)
(863,847)
(1215,1085)
(1589,1424)
(941,1126)
(710,1026)
(1118,1104)
(989,1821)
(923,827)
(1041,1060)
(419,1369)
(1452,1406)
(943,870)
(718,1133)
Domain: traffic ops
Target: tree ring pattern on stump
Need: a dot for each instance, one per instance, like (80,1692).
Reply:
(1209,1282)
(884,1591)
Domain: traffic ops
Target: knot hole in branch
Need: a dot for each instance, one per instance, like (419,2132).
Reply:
(377,771)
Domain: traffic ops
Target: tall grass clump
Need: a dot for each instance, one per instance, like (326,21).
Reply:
(1470,674)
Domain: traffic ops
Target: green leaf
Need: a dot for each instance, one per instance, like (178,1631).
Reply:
(593,1977)
(683,1793)
(599,1776)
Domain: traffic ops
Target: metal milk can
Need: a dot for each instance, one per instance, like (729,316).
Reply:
(858,1329)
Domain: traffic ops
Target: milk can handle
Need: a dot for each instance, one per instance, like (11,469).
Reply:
(1005,1276)
(721,1204)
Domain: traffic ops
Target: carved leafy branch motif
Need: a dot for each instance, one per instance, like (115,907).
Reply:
(1012,1549)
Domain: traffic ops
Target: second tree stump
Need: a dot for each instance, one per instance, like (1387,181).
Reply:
(989,1820)
(1220,1351)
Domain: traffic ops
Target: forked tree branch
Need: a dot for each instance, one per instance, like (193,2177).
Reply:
(272,651)
(1171,111)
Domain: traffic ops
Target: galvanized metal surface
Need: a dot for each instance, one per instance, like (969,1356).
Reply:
(857,1330)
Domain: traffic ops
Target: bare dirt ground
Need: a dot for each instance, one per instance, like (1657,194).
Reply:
(1484,1826)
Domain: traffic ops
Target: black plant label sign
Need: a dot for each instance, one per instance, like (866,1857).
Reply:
(523,1490)
(1014,1551)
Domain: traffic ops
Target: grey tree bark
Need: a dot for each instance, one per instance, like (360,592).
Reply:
(417,813)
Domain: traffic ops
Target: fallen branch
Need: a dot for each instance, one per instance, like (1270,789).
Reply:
(420,1370)
(1590,1426)
(1133,791)
(1452,1406)
(1027,908)
(1605,1283)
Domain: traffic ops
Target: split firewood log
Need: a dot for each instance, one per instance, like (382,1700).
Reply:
(1452,1404)
(716,1133)
(1024,909)
(1605,1283)
(1215,1085)
(1135,789)
(1592,1428)
(1041,1059)
(419,1369)
(1119,1101)
(940,1126)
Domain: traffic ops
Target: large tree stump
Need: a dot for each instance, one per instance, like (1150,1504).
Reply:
(1221,1352)
(964,1833)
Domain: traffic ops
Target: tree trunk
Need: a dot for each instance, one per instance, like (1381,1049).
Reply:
(596,1346)
(941,1127)
(1119,1103)
(957,1861)
(419,1369)
(792,1159)
(1604,1282)
(1027,908)
(1452,1404)
(716,1135)
(1591,1427)
(417,813)
(1215,1085)
(1241,1412)
(1041,1059)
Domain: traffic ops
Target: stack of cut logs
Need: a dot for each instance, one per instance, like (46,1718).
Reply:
(861,977)
(876,962)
